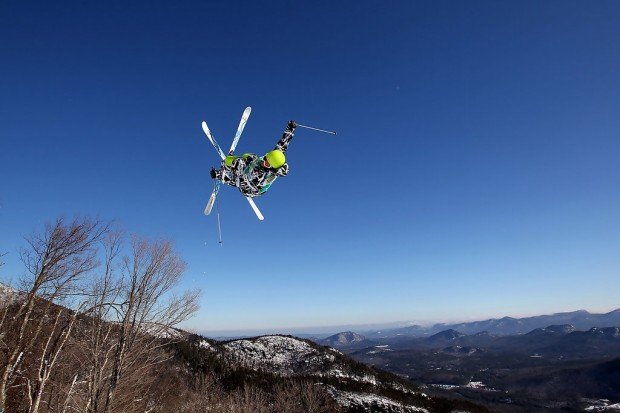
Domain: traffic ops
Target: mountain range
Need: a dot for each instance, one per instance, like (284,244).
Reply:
(556,365)
(581,320)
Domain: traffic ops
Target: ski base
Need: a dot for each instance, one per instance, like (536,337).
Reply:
(216,189)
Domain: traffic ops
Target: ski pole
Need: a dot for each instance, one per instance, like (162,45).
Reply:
(316,129)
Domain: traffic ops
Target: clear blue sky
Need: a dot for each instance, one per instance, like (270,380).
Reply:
(476,171)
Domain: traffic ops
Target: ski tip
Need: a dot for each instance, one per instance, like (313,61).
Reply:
(209,207)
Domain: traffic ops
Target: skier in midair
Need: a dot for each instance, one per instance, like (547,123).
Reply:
(252,174)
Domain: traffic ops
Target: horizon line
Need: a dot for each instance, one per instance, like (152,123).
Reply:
(387,324)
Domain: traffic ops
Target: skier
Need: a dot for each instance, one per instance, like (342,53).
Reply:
(254,175)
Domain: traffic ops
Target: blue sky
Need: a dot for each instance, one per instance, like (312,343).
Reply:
(475,172)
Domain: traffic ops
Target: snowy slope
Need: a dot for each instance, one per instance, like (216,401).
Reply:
(279,354)
(288,356)
(370,401)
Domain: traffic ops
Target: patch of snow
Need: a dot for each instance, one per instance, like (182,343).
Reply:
(351,399)
(337,372)
(477,385)
(333,350)
(403,389)
(444,386)
(602,405)
(379,349)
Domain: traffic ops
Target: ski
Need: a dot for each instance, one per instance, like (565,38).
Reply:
(207,132)
(255,208)
(242,122)
(216,189)
(216,186)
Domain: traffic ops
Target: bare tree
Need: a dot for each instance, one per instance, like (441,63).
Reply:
(148,311)
(248,399)
(205,395)
(315,399)
(115,334)
(302,397)
(56,260)
(286,397)
(96,340)
(51,352)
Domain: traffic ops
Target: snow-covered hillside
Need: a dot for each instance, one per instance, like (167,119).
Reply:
(284,355)
(290,356)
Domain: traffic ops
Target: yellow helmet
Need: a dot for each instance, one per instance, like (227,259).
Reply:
(275,158)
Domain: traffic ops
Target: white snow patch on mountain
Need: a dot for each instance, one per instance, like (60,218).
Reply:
(277,353)
(379,349)
(602,405)
(348,399)
(478,385)
(443,386)
(337,372)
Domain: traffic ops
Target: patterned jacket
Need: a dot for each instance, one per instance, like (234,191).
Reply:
(253,179)
(249,174)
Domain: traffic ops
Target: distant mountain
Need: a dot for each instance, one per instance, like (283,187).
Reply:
(556,341)
(413,330)
(559,329)
(608,332)
(580,320)
(444,336)
(346,339)
(460,351)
